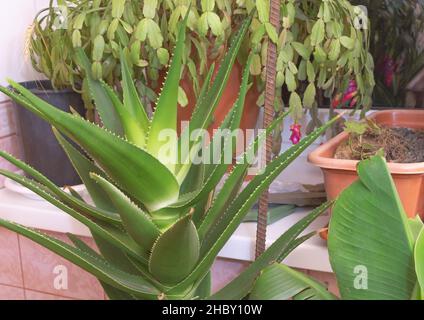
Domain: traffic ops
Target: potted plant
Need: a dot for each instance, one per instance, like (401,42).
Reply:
(397,134)
(157,232)
(375,251)
(38,141)
(320,48)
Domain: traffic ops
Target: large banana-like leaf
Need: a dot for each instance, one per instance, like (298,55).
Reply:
(280,282)
(104,105)
(370,242)
(286,243)
(165,115)
(136,222)
(176,252)
(137,172)
(419,261)
(93,264)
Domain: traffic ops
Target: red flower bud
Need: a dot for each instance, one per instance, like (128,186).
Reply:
(296,135)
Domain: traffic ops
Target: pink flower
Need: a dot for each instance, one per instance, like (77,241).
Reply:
(296,135)
(348,96)
(389,70)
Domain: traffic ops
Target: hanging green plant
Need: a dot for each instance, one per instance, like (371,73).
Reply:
(320,49)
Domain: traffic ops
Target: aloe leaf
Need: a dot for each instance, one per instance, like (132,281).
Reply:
(286,243)
(165,115)
(80,244)
(70,200)
(217,170)
(104,105)
(105,231)
(75,193)
(175,252)
(219,235)
(116,294)
(84,167)
(134,132)
(227,193)
(22,101)
(223,143)
(132,101)
(100,268)
(203,291)
(249,195)
(370,227)
(141,175)
(205,107)
(280,282)
(136,222)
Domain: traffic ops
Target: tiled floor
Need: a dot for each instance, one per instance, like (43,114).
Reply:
(29,271)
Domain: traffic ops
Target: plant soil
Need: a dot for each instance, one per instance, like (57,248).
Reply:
(399,145)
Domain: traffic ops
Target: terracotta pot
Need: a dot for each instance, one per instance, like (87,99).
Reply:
(408,177)
(229,96)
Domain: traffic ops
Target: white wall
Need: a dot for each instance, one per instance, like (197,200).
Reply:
(15,18)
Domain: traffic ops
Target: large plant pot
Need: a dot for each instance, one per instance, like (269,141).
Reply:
(408,178)
(41,149)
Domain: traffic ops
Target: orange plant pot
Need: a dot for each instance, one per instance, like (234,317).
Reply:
(408,177)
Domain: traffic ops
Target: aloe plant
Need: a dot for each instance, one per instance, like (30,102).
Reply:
(376,252)
(153,222)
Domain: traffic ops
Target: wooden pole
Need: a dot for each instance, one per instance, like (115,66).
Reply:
(274,17)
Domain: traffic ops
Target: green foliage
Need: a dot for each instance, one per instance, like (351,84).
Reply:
(403,20)
(156,236)
(319,36)
(375,252)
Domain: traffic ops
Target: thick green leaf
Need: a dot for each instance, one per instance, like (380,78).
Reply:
(136,222)
(84,167)
(106,231)
(175,252)
(132,101)
(419,259)
(222,145)
(286,243)
(370,242)
(111,292)
(416,225)
(232,184)
(142,176)
(203,291)
(104,105)
(165,115)
(92,264)
(205,107)
(70,200)
(249,195)
(134,132)
(280,282)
